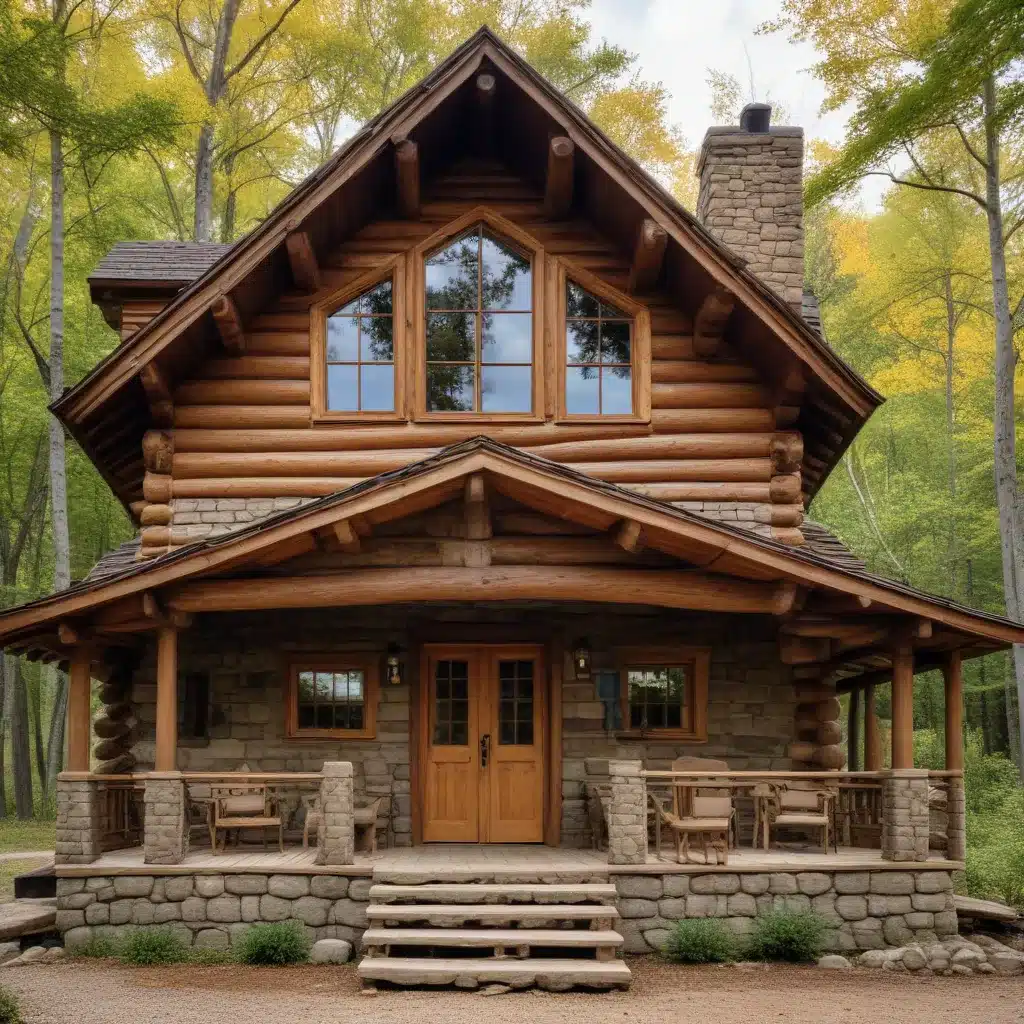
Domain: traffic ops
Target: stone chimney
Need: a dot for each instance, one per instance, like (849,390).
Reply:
(751,197)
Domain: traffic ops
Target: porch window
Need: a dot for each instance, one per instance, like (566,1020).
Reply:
(599,356)
(360,353)
(479,326)
(664,692)
(332,698)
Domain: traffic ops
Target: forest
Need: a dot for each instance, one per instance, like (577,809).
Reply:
(174,119)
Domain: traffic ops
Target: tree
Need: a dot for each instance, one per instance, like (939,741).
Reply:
(929,78)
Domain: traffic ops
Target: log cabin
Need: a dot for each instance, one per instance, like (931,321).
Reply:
(470,491)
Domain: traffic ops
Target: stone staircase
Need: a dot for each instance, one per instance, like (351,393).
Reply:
(555,935)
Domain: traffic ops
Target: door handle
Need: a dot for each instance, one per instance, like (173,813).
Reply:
(485,749)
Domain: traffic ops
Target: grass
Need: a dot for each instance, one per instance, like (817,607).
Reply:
(146,947)
(9,869)
(34,834)
(9,1011)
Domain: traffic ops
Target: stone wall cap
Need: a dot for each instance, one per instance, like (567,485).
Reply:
(164,776)
(907,773)
(338,769)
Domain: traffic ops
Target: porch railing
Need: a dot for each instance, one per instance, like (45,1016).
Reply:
(121,811)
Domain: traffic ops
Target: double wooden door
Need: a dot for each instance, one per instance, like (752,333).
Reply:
(484,713)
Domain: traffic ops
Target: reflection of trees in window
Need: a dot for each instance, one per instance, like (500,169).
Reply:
(479,327)
(658,698)
(598,377)
(361,353)
(331,700)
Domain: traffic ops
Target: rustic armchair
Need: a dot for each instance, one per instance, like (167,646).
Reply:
(243,805)
(364,818)
(710,819)
(807,806)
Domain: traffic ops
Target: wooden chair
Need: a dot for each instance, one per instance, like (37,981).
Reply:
(683,794)
(805,805)
(710,818)
(243,805)
(364,818)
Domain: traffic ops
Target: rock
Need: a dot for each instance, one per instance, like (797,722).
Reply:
(133,886)
(968,958)
(640,908)
(933,881)
(966,906)
(782,884)
(225,909)
(961,969)
(813,883)
(896,931)
(495,990)
(868,933)
(209,886)
(677,885)
(177,889)
(1008,962)
(164,912)
(872,958)
(55,953)
(77,938)
(9,951)
(852,908)
(914,958)
(289,887)
(920,920)
(193,909)
(274,908)
(328,887)
(754,884)
(246,885)
(741,904)
(885,906)
(640,886)
(673,908)
(311,910)
(466,981)
(834,962)
(698,906)
(211,938)
(347,912)
(934,902)
(359,888)
(331,951)
(946,923)
(852,882)
(892,883)
(720,885)
(985,969)
(32,954)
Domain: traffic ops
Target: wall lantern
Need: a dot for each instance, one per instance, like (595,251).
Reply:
(581,658)
(394,665)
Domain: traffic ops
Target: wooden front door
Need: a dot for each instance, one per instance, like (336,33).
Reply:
(484,714)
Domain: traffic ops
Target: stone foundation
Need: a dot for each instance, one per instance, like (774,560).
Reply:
(210,910)
(865,909)
(78,821)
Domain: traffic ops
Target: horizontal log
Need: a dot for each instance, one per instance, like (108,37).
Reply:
(671,346)
(787,515)
(258,368)
(707,396)
(674,470)
(157,450)
(788,535)
(262,487)
(279,343)
(657,446)
(155,515)
(829,733)
(511,583)
(240,417)
(243,392)
(785,489)
(671,371)
(698,491)
(156,487)
(679,421)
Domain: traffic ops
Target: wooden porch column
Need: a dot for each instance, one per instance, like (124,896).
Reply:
(953,674)
(853,731)
(903,707)
(166,699)
(79,713)
(872,739)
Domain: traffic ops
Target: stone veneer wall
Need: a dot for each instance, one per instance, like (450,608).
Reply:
(192,518)
(866,909)
(210,910)
(746,515)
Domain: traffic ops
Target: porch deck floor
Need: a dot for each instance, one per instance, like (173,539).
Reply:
(511,860)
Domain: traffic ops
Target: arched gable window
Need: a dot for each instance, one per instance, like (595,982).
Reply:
(360,350)
(479,342)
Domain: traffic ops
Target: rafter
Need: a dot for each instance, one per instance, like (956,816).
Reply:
(648,256)
(229,325)
(303,262)
(407,177)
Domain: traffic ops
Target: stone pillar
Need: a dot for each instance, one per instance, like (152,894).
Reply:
(905,817)
(627,815)
(336,841)
(956,819)
(78,819)
(165,836)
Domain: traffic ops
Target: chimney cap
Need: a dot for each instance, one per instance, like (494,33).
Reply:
(756,117)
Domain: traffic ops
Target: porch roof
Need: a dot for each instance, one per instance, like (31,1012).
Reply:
(780,577)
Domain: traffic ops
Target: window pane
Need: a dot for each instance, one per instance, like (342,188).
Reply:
(342,338)
(340,686)
(506,277)
(377,300)
(581,395)
(355,685)
(450,388)
(507,389)
(616,390)
(305,686)
(324,716)
(614,342)
(378,387)
(355,716)
(452,275)
(578,302)
(306,719)
(508,338)
(342,387)
(459,734)
(581,338)
(451,337)
(376,340)
(608,311)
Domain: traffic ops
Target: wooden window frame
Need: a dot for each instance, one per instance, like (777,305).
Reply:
(369,664)
(416,275)
(697,659)
(640,344)
(393,269)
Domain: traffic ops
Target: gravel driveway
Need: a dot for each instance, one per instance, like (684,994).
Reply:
(96,993)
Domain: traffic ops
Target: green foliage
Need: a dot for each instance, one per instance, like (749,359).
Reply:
(9,1010)
(148,946)
(783,935)
(206,957)
(273,944)
(702,940)
(98,948)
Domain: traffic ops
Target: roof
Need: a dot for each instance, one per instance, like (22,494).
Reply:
(178,263)
(823,542)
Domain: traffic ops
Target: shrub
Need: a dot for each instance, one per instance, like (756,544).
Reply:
(283,943)
(784,935)
(703,940)
(97,947)
(9,1010)
(153,946)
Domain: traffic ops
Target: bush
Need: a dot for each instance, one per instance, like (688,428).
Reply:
(274,944)
(783,935)
(703,940)
(100,948)
(9,1010)
(153,946)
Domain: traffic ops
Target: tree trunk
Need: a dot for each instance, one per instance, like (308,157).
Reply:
(952,552)
(39,749)
(203,228)
(21,755)
(1011,541)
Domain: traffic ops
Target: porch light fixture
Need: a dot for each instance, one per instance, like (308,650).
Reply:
(581,658)
(394,666)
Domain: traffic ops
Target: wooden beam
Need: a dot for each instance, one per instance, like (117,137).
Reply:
(802,650)
(872,735)
(903,706)
(348,539)
(161,618)
(165,759)
(952,671)
(158,394)
(630,536)
(229,324)
(407,177)
(302,259)
(478,511)
(69,635)
(648,256)
(667,589)
(709,323)
(79,709)
(558,188)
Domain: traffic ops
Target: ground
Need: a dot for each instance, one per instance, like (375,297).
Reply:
(9,868)
(97,993)
(35,834)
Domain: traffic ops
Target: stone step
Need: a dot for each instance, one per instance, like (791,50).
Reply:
(482,892)
(491,938)
(554,975)
(456,914)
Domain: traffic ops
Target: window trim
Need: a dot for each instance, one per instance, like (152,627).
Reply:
(416,273)
(652,657)
(394,269)
(368,663)
(640,344)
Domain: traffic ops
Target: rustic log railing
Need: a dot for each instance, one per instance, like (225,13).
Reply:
(121,811)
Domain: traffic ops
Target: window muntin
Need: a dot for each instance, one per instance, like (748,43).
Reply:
(329,700)
(598,356)
(451,703)
(361,353)
(660,697)
(479,326)
(515,702)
